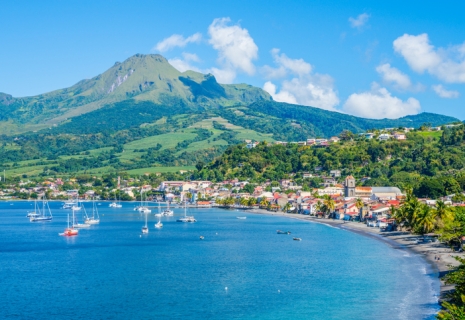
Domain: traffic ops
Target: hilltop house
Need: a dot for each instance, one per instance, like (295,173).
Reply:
(384,137)
(399,136)
(335,173)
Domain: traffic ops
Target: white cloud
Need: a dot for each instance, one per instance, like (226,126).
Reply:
(286,65)
(236,48)
(223,75)
(282,96)
(446,64)
(190,57)
(304,88)
(184,64)
(359,21)
(176,40)
(396,77)
(444,93)
(379,104)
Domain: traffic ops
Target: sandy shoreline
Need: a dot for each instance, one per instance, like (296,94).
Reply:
(440,257)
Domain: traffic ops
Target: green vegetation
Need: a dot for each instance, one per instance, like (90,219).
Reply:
(455,307)
(432,167)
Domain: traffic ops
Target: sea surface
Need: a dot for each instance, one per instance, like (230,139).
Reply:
(242,269)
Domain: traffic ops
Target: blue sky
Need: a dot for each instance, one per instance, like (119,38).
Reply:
(368,58)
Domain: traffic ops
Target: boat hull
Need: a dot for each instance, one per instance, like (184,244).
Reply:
(40,219)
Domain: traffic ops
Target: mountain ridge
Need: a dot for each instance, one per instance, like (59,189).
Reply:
(150,78)
(140,77)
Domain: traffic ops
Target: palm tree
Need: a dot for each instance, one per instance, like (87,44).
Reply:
(318,206)
(244,201)
(444,213)
(229,201)
(359,204)
(264,203)
(189,196)
(425,220)
(287,207)
(251,201)
(329,205)
(407,214)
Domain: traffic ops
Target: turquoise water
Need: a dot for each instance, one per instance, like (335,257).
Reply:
(113,272)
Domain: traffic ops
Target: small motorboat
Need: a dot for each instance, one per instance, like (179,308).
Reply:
(241,218)
(283,232)
(296,239)
(202,237)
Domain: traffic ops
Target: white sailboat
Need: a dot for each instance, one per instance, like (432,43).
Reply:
(115,204)
(168,212)
(77,205)
(84,218)
(42,214)
(159,225)
(186,218)
(143,205)
(70,203)
(159,214)
(95,217)
(35,212)
(145,229)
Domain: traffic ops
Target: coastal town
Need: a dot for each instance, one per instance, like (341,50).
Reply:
(338,198)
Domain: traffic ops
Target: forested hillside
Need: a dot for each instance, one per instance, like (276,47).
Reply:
(433,167)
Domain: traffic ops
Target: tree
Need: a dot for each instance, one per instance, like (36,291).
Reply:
(249,188)
(251,202)
(318,207)
(346,135)
(199,166)
(359,204)
(264,203)
(425,220)
(408,212)
(455,307)
(287,207)
(329,205)
(444,213)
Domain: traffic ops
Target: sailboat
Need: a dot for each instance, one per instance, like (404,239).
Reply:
(186,218)
(95,217)
(143,205)
(115,204)
(159,214)
(84,217)
(145,229)
(70,203)
(43,214)
(168,212)
(70,231)
(33,213)
(77,205)
(159,225)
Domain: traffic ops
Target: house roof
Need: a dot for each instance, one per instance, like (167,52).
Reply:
(386,190)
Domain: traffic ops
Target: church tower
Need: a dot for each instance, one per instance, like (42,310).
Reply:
(349,187)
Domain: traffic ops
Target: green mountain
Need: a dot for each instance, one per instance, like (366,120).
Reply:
(143,114)
(139,78)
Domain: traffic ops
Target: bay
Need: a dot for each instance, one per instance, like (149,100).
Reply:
(241,270)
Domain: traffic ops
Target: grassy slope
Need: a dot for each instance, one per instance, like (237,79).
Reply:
(168,141)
